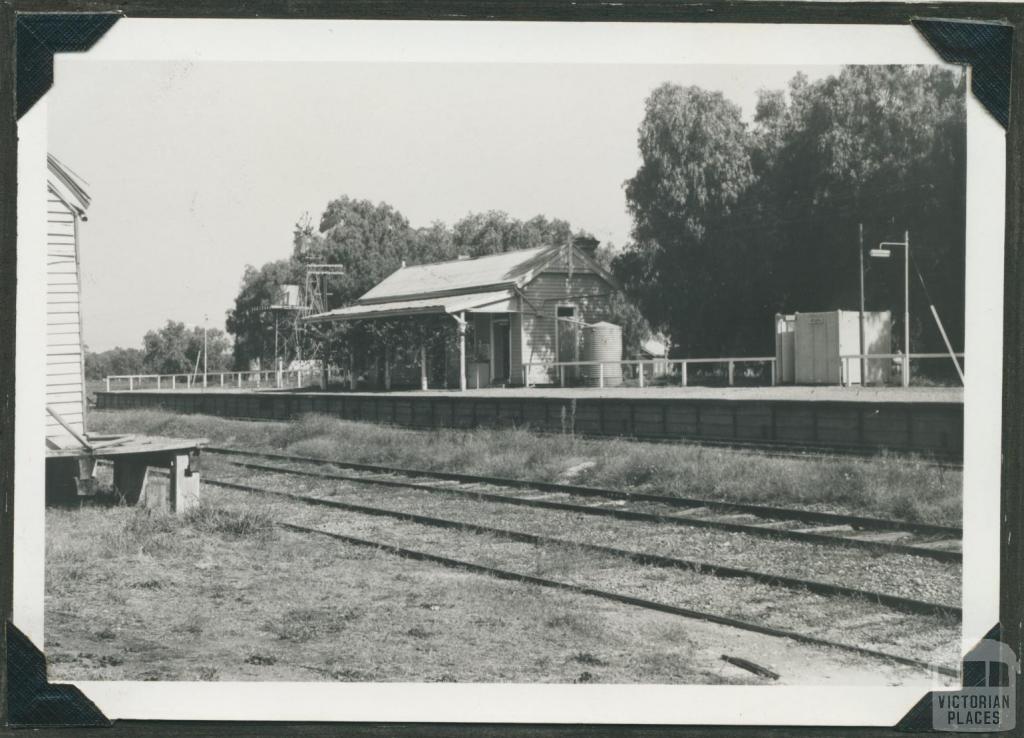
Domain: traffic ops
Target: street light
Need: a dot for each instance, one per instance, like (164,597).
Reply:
(883,252)
(206,321)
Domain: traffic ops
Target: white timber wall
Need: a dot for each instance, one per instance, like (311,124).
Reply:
(582,288)
(65,389)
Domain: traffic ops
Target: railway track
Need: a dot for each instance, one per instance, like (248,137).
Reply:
(508,575)
(621,598)
(882,536)
(902,604)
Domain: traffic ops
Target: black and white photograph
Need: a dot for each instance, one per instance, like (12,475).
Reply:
(566,371)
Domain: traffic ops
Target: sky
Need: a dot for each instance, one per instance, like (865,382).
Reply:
(197,169)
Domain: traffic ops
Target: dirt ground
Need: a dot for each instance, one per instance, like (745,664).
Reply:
(227,596)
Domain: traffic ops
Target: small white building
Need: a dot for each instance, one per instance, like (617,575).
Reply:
(809,347)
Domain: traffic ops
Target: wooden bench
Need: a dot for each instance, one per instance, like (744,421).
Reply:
(71,471)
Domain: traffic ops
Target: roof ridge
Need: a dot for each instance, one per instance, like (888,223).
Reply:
(459,260)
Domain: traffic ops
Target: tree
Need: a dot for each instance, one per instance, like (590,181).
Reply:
(733,225)
(250,322)
(621,310)
(369,241)
(882,146)
(495,232)
(113,362)
(695,167)
(434,243)
(176,349)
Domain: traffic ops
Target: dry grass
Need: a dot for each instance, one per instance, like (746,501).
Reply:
(246,523)
(214,596)
(886,486)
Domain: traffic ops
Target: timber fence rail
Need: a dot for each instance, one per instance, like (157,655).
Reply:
(647,372)
(265,379)
(897,363)
(751,370)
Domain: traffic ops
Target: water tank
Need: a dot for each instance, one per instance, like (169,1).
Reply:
(602,342)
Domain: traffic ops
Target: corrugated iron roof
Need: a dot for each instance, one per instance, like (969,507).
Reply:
(398,308)
(463,274)
(463,284)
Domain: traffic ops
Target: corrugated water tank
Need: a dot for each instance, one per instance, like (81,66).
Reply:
(602,342)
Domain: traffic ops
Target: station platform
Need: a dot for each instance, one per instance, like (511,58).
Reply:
(923,420)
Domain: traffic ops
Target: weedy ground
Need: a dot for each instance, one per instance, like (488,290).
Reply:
(902,487)
(224,594)
(221,594)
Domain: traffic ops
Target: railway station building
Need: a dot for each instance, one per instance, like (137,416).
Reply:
(511,315)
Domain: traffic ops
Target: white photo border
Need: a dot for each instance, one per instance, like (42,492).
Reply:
(526,42)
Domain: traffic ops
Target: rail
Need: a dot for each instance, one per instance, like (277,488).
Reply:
(896,363)
(268,379)
(660,369)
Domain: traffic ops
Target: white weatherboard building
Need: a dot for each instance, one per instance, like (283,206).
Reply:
(520,308)
(65,362)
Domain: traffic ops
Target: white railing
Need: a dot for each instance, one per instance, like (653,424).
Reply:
(266,379)
(897,364)
(635,369)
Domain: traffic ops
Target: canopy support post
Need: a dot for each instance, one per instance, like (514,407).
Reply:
(461,320)
(423,366)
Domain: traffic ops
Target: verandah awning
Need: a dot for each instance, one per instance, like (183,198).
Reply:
(500,301)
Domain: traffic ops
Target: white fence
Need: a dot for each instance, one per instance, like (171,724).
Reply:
(759,370)
(645,372)
(900,364)
(269,379)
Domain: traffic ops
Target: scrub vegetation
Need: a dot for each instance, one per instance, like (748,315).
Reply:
(901,487)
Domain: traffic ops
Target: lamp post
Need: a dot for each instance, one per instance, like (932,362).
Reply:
(860,321)
(206,320)
(883,252)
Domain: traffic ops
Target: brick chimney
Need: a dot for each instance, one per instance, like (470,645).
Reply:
(586,244)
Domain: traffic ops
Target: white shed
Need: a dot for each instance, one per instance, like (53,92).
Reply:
(809,346)
(65,368)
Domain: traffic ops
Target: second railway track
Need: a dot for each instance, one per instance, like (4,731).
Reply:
(936,542)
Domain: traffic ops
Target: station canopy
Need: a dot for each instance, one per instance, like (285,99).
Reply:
(497,301)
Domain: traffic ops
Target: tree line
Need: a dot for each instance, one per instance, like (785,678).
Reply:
(370,241)
(732,223)
(171,349)
(735,222)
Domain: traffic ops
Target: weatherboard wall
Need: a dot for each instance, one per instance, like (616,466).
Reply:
(65,388)
(582,289)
